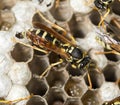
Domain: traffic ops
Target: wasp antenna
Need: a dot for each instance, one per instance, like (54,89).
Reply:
(34,47)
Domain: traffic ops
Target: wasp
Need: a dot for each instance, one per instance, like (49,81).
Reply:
(103,5)
(115,101)
(46,40)
(109,43)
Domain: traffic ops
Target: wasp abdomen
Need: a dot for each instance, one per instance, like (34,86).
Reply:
(46,36)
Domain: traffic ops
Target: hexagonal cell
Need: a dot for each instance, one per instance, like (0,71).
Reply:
(5,85)
(75,29)
(20,73)
(22,53)
(92,97)
(18,92)
(55,96)
(99,61)
(112,57)
(60,12)
(95,17)
(39,19)
(53,57)
(73,101)
(109,90)
(39,64)
(96,77)
(43,5)
(57,77)
(37,100)
(8,19)
(74,72)
(116,7)
(111,72)
(38,86)
(75,86)
(7,4)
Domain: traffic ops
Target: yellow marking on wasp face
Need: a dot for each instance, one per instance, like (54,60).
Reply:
(31,29)
(54,41)
(44,34)
(71,49)
(105,2)
(38,31)
(74,66)
(23,34)
(106,103)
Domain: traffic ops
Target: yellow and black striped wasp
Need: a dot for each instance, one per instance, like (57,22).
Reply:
(47,40)
(108,43)
(103,5)
(115,101)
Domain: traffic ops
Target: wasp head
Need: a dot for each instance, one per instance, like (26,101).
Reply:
(20,35)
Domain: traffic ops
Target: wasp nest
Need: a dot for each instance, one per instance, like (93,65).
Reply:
(62,85)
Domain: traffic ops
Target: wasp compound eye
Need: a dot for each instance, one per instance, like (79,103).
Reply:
(20,35)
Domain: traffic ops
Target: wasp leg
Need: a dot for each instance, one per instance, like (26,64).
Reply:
(103,18)
(48,69)
(9,102)
(89,81)
(34,47)
(109,52)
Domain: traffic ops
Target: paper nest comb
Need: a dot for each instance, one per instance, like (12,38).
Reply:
(18,63)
